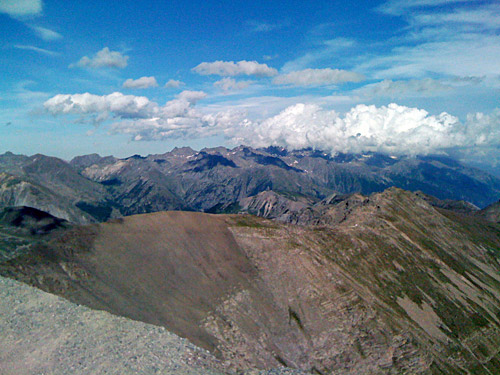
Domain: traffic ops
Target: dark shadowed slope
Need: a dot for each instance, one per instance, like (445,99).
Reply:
(30,220)
(396,286)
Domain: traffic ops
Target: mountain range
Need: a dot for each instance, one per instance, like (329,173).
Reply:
(92,188)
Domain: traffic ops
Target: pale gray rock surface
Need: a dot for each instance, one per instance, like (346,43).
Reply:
(45,334)
(41,333)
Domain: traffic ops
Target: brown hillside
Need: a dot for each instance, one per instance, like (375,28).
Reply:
(398,286)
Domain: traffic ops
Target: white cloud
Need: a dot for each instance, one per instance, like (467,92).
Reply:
(391,129)
(179,118)
(21,8)
(270,57)
(400,7)
(36,49)
(172,83)
(466,55)
(141,118)
(103,59)
(192,96)
(140,83)
(485,17)
(230,68)
(317,77)
(395,89)
(46,34)
(97,108)
(458,40)
(229,84)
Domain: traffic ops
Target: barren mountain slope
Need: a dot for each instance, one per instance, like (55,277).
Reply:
(395,286)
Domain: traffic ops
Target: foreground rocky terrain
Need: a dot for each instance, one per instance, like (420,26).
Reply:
(390,283)
(92,188)
(42,333)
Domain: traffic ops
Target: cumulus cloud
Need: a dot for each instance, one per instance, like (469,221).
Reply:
(179,118)
(172,83)
(230,68)
(21,8)
(143,119)
(46,34)
(317,77)
(391,129)
(394,89)
(192,96)
(98,108)
(105,58)
(140,83)
(229,84)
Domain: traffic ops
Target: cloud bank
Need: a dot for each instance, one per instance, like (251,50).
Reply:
(392,129)
(230,68)
(140,83)
(103,59)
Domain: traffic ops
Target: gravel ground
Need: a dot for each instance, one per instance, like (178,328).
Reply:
(41,333)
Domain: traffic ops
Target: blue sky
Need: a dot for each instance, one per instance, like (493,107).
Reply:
(126,77)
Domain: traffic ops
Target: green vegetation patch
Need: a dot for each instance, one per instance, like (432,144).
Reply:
(253,222)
